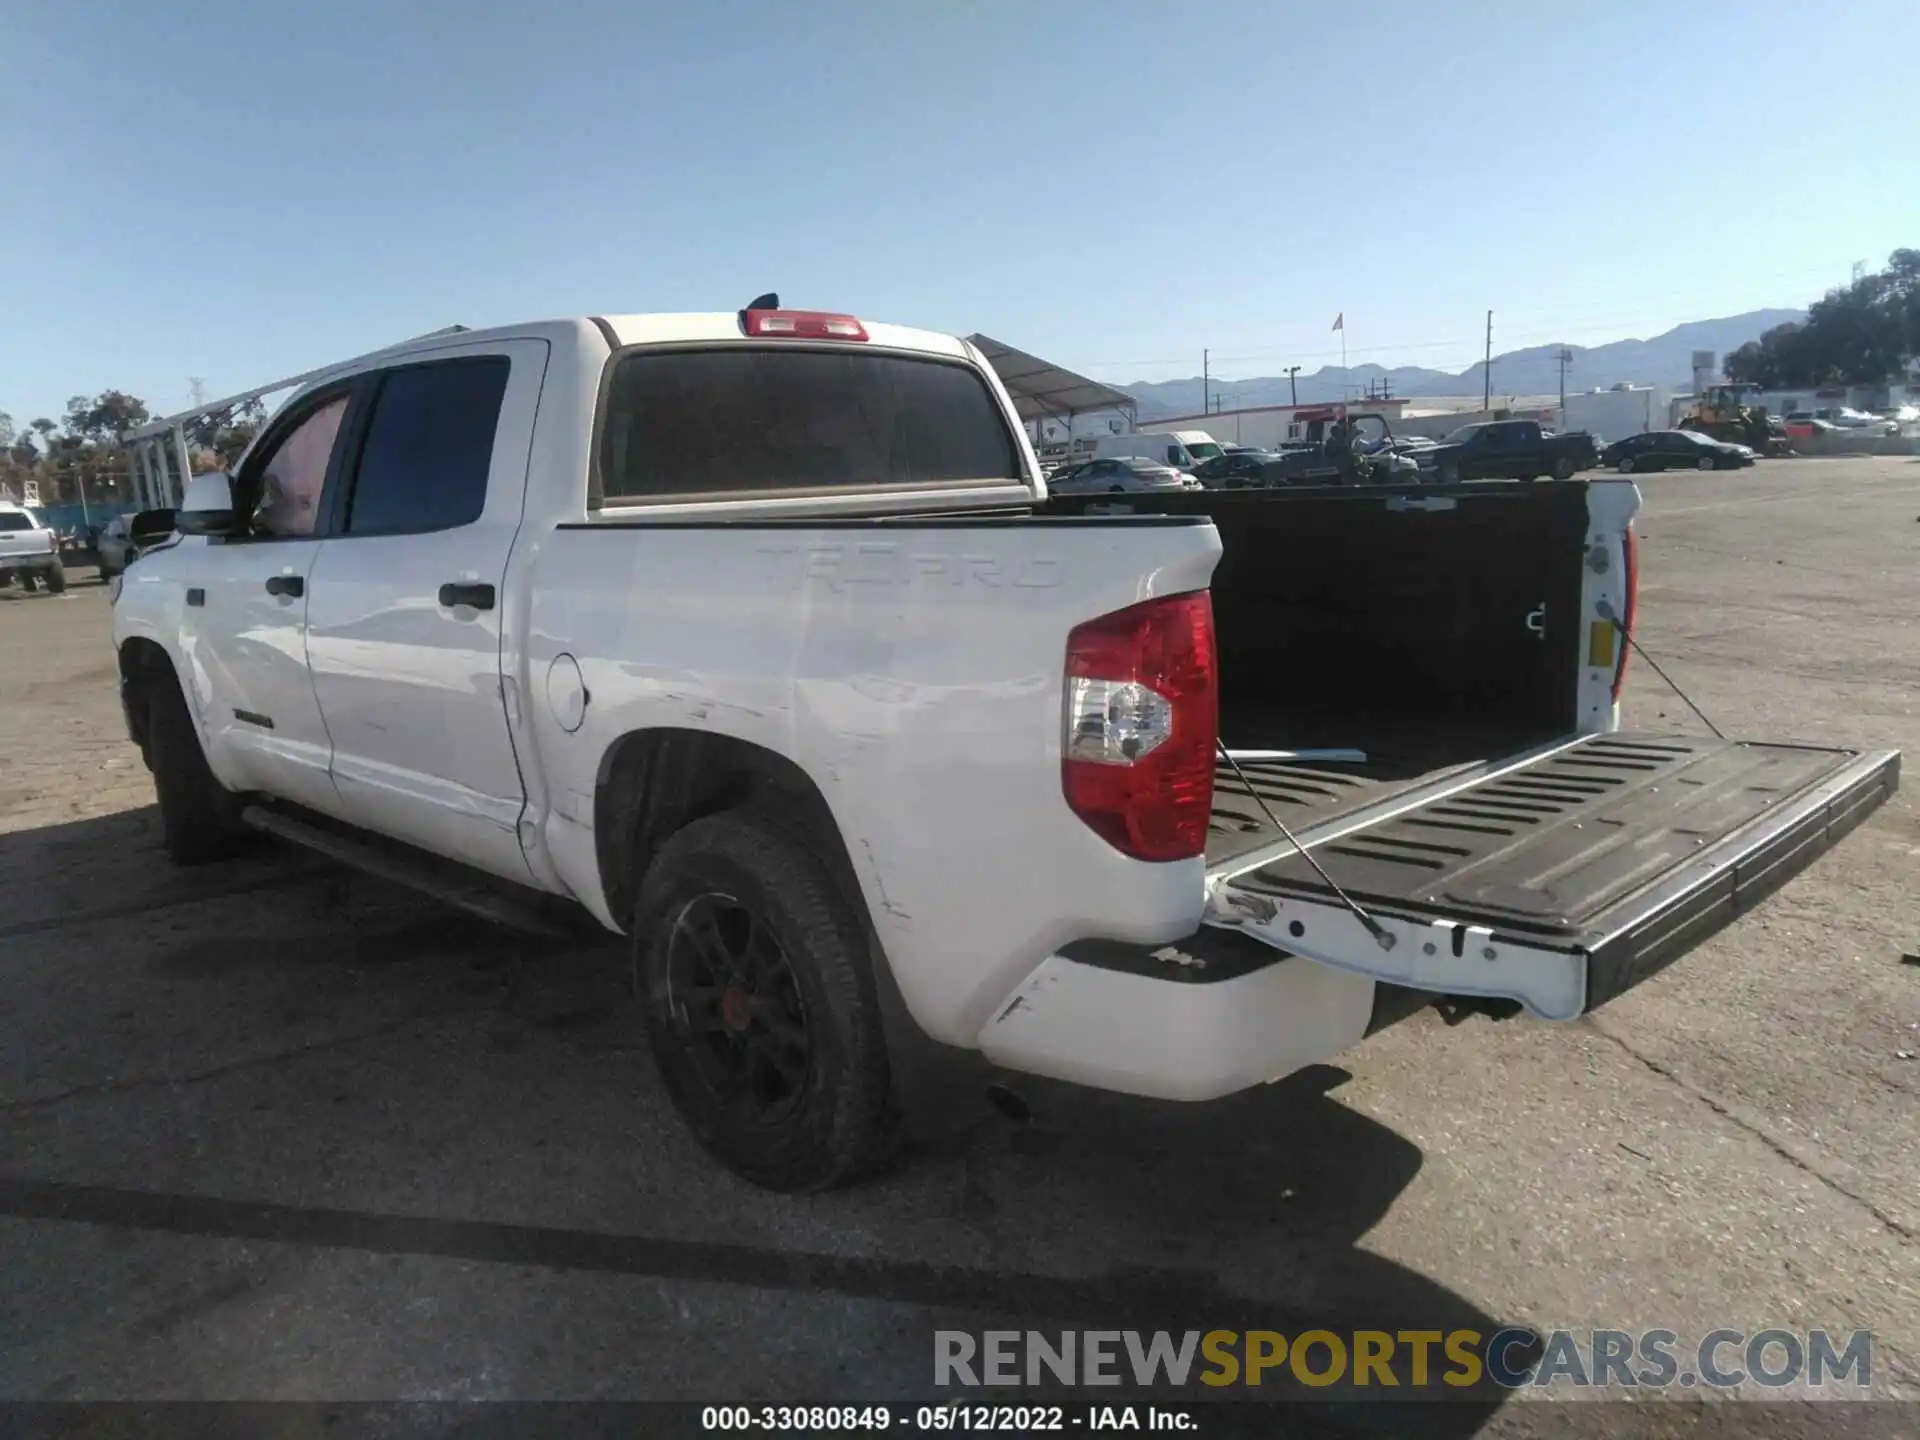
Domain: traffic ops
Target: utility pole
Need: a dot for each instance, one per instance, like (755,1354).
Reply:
(1293,387)
(1486,394)
(1565,357)
(1206,405)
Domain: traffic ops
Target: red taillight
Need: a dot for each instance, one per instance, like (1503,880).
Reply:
(801,325)
(1632,609)
(1142,720)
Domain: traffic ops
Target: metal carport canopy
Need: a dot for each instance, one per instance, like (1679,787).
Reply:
(1041,389)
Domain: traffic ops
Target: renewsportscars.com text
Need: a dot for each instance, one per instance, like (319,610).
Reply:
(1412,1359)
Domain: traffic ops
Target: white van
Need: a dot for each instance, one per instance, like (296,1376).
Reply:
(1182,449)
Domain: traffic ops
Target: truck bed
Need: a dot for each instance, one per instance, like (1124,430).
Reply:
(1436,629)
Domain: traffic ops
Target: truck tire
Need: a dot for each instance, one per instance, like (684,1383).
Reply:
(1449,472)
(753,975)
(57,579)
(199,817)
(1564,468)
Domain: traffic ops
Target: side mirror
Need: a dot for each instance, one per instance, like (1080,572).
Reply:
(150,527)
(207,507)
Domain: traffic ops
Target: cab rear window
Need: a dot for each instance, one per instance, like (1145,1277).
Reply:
(748,420)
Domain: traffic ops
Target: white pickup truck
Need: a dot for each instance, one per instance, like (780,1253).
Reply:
(756,635)
(29,551)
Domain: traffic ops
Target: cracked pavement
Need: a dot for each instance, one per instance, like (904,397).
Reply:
(274,1130)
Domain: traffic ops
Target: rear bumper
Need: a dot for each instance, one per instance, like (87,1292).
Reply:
(1205,1017)
(42,560)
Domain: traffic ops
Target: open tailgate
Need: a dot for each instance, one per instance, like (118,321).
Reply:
(1562,878)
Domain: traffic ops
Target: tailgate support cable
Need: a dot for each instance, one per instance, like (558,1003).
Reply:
(1374,927)
(1627,635)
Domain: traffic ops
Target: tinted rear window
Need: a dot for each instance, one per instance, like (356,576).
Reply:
(16,520)
(715,421)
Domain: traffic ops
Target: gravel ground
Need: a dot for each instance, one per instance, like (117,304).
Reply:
(278,1132)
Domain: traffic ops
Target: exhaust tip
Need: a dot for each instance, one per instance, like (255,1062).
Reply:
(1009,1104)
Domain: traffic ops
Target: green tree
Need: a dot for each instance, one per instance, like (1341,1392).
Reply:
(1865,333)
(104,416)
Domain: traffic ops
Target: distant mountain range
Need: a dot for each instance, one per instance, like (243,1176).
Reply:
(1665,360)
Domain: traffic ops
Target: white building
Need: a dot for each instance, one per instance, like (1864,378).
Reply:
(1615,414)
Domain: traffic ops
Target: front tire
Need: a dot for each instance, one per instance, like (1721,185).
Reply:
(199,817)
(1449,473)
(753,974)
(57,579)
(1628,465)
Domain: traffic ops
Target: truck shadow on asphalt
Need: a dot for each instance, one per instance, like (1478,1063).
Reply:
(1106,1213)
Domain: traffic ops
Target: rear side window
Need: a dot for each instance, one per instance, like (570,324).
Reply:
(16,520)
(428,448)
(752,420)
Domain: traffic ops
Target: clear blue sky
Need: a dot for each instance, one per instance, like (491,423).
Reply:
(241,190)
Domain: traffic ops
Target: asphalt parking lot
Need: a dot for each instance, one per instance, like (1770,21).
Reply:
(273,1130)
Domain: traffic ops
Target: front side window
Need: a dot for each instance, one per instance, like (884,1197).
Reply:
(429,448)
(296,472)
(709,422)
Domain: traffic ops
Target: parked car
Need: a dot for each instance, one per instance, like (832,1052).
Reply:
(125,537)
(1845,417)
(29,552)
(1238,469)
(750,637)
(1510,450)
(1674,450)
(1804,425)
(1182,449)
(113,547)
(1356,448)
(1120,473)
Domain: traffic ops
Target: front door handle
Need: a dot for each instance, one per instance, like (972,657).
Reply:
(480,597)
(291,585)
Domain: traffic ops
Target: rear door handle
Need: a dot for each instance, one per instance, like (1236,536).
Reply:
(480,597)
(293,585)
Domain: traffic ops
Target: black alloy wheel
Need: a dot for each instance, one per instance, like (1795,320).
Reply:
(732,993)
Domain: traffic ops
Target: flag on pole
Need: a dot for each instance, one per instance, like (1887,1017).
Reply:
(1340,321)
